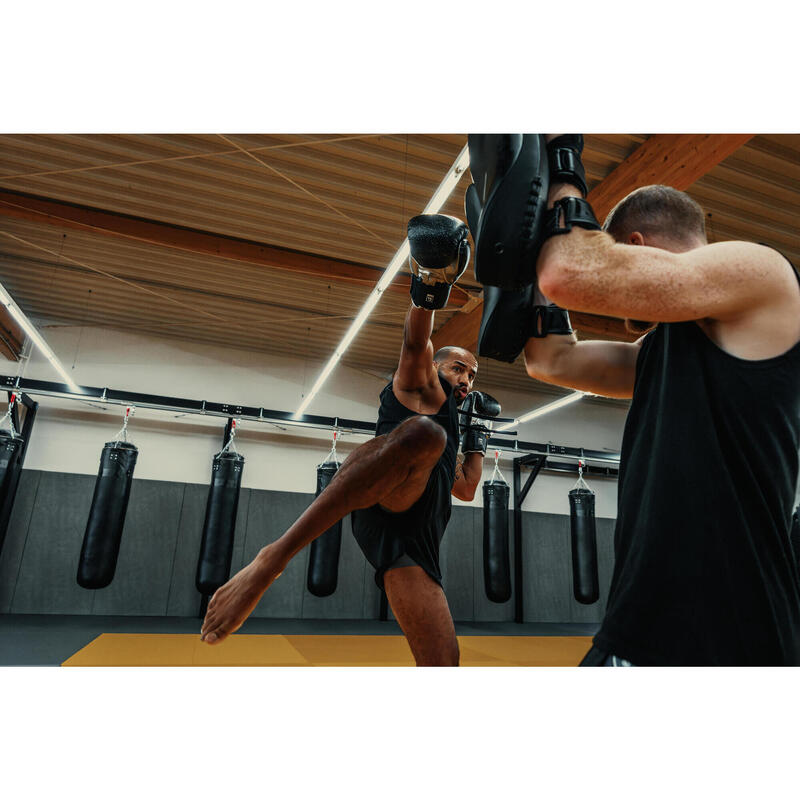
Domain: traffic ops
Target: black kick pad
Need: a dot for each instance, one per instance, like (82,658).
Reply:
(505,206)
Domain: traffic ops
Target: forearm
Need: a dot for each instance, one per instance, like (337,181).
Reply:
(473,469)
(547,357)
(418,328)
(468,476)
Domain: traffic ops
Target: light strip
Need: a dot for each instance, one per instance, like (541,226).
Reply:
(16,312)
(538,412)
(436,202)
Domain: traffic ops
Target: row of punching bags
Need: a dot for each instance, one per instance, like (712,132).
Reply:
(101,541)
(103,535)
(496,559)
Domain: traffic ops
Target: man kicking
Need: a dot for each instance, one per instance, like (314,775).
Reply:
(397,485)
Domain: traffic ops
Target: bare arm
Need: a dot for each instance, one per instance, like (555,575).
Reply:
(587,271)
(732,283)
(605,368)
(468,476)
(416,383)
(416,369)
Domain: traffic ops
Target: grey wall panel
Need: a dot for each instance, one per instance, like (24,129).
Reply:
(546,568)
(183,599)
(17,533)
(347,602)
(47,577)
(270,514)
(456,557)
(485,609)
(147,551)
(605,558)
(161,544)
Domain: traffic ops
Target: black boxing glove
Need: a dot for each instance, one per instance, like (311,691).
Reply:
(475,438)
(439,255)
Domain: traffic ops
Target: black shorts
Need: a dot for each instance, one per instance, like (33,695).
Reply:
(390,539)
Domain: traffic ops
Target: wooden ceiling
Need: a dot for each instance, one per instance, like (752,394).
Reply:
(273,242)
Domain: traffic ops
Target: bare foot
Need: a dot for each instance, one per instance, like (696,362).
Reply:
(232,603)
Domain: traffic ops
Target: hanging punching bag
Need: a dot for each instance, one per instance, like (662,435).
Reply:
(216,548)
(585,581)
(101,541)
(323,560)
(795,536)
(496,560)
(10,452)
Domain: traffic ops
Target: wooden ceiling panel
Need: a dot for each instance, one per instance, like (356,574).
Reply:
(357,194)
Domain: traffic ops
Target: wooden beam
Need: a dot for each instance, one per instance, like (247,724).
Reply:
(12,337)
(677,160)
(32,208)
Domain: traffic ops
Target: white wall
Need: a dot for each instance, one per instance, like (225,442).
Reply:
(69,435)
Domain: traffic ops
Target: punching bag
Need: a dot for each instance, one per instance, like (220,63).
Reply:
(112,489)
(216,547)
(10,452)
(323,560)
(585,581)
(496,560)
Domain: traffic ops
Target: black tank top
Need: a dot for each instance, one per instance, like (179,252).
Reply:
(704,569)
(392,412)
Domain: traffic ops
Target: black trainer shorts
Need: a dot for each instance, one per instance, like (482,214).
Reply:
(393,539)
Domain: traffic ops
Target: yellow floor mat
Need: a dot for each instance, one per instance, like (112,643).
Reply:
(245,650)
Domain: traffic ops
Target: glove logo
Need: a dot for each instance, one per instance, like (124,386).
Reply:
(428,298)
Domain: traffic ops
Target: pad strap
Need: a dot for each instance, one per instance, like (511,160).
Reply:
(564,155)
(549,319)
(569,211)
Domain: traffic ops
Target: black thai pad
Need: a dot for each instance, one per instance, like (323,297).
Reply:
(505,206)
(505,323)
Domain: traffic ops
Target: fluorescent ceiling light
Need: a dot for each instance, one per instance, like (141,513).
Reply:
(436,202)
(538,412)
(16,312)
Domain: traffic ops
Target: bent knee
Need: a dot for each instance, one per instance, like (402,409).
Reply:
(421,436)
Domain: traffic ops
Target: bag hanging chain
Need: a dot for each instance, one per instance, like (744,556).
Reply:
(581,483)
(496,474)
(123,431)
(9,415)
(332,454)
(229,445)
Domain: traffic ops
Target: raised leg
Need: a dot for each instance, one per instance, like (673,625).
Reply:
(391,470)
(421,610)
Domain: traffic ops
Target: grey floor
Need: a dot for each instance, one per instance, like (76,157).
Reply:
(47,640)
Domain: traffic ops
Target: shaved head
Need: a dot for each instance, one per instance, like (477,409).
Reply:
(445,353)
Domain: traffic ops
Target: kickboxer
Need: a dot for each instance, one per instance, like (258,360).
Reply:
(398,485)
